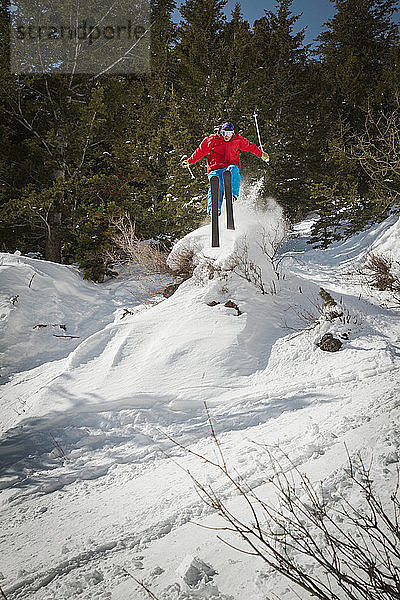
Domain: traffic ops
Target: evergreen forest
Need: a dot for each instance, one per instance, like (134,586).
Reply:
(78,151)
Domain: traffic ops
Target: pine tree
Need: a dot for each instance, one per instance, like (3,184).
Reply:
(355,44)
(155,140)
(386,96)
(61,125)
(197,71)
(355,50)
(281,93)
(235,68)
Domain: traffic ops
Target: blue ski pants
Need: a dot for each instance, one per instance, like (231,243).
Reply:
(234,169)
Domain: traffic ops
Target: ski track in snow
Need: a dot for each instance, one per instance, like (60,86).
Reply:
(90,480)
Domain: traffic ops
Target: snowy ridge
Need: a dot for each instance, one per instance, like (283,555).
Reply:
(88,488)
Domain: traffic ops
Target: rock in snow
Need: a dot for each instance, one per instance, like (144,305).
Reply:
(328,343)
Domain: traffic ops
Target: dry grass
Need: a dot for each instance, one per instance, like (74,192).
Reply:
(131,249)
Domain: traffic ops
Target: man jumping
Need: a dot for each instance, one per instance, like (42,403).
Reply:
(222,151)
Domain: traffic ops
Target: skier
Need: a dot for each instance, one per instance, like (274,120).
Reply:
(222,151)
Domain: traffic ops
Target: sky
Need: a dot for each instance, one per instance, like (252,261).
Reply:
(314,13)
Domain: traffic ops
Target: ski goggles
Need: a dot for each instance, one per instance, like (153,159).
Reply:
(226,133)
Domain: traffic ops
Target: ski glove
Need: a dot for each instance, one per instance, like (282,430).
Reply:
(265,157)
(184,163)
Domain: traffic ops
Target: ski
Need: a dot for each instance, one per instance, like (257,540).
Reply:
(230,223)
(214,211)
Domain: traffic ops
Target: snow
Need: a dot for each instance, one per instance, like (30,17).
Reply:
(94,487)
(50,302)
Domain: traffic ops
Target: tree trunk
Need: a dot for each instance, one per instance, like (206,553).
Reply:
(54,238)
(53,241)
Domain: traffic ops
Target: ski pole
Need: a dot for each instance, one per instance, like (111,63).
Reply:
(258,131)
(188,167)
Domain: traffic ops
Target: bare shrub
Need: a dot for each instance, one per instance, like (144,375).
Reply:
(378,152)
(332,548)
(381,273)
(181,262)
(321,308)
(271,242)
(308,316)
(209,269)
(132,249)
(241,264)
(324,308)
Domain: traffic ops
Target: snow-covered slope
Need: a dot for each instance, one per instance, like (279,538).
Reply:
(89,484)
(41,303)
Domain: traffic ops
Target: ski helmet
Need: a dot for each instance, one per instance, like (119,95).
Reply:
(228,127)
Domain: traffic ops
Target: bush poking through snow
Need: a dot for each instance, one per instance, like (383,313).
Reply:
(241,264)
(327,310)
(131,249)
(271,242)
(332,548)
(181,262)
(330,309)
(208,270)
(381,273)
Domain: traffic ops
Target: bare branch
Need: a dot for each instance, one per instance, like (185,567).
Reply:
(142,585)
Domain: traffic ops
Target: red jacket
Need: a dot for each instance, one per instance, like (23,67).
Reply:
(221,154)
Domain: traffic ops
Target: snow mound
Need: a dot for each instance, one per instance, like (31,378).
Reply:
(47,309)
(194,572)
(257,234)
